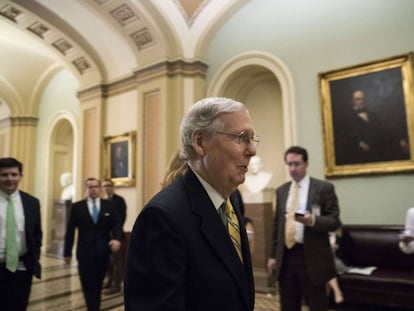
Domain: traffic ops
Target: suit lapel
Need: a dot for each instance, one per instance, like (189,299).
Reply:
(85,210)
(214,231)
(312,195)
(26,211)
(284,195)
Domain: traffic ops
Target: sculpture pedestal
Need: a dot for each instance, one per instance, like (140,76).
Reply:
(61,210)
(258,207)
(259,197)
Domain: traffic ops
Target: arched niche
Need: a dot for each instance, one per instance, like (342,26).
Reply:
(263,84)
(61,160)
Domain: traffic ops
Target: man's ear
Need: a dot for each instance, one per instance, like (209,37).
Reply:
(197,141)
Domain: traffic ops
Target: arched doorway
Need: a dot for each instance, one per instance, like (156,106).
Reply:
(61,163)
(263,84)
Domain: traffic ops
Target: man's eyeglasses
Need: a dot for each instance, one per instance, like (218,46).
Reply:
(244,138)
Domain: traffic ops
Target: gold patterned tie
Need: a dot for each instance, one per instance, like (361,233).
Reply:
(290,226)
(12,255)
(233,228)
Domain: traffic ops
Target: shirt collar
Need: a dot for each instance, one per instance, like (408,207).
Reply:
(97,200)
(5,195)
(214,196)
(303,182)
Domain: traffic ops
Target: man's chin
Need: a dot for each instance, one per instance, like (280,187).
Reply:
(241,180)
(10,190)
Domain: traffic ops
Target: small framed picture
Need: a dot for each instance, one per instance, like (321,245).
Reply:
(119,160)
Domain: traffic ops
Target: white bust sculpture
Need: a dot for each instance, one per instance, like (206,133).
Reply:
(68,189)
(256,179)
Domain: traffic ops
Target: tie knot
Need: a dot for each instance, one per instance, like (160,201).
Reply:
(296,186)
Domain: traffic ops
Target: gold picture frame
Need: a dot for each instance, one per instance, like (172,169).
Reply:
(375,140)
(119,158)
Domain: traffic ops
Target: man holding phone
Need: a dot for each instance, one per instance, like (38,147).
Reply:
(301,259)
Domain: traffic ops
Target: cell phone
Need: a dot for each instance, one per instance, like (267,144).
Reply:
(299,214)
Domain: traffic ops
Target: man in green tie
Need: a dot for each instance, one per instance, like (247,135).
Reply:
(20,238)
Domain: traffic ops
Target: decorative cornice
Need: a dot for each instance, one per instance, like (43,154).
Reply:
(110,89)
(172,68)
(92,92)
(166,68)
(24,121)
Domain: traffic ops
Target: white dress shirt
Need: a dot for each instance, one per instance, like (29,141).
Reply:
(20,224)
(90,205)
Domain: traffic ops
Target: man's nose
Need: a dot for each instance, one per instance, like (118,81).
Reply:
(252,149)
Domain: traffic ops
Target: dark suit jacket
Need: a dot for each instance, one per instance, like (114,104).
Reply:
(318,253)
(120,206)
(33,229)
(181,256)
(93,238)
(352,132)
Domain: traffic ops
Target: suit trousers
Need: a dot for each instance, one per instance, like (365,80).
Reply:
(14,289)
(294,284)
(115,273)
(92,274)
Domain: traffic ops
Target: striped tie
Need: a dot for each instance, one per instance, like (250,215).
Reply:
(233,228)
(12,255)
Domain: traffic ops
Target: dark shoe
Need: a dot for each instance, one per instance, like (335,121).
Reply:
(112,290)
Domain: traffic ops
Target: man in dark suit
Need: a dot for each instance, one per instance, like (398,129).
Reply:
(115,273)
(19,260)
(99,233)
(183,254)
(301,255)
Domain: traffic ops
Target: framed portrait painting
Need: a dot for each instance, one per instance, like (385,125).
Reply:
(119,161)
(367,115)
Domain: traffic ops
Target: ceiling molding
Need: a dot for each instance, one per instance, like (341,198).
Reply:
(65,47)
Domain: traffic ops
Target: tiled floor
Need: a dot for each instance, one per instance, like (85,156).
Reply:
(59,289)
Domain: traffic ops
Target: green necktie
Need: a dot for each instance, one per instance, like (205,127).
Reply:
(12,256)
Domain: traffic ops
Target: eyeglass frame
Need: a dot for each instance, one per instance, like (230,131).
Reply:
(244,137)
